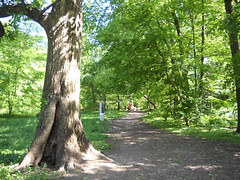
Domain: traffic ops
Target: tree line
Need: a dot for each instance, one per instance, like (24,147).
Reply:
(180,55)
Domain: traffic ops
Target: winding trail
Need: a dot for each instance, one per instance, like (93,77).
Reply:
(140,152)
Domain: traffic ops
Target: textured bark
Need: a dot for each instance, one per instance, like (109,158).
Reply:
(177,26)
(234,45)
(60,139)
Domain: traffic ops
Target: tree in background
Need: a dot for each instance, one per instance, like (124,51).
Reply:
(171,53)
(60,139)
(232,26)
(22,69)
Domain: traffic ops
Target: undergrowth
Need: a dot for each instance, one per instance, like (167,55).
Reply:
(207,127)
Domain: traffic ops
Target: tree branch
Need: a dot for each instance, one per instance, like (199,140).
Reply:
(23,9)
(9,10)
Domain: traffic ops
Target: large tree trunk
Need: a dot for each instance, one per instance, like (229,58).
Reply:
(60,140)
(234,45)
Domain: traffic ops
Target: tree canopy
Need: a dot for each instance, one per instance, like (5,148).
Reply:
(174,53)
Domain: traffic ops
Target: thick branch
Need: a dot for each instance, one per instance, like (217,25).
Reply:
(9,10)
(23,9)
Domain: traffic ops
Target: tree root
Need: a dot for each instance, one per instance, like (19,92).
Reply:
(35,153)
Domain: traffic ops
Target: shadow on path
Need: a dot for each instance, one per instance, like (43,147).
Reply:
(140,152)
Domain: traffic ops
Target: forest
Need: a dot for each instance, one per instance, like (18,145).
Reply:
(178,60)
(172,57)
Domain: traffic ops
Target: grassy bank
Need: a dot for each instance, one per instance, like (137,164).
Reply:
(216,131)
(95,128)
(17,132)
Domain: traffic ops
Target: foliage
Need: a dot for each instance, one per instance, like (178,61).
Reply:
(208,127)
(22,69)
(173,53)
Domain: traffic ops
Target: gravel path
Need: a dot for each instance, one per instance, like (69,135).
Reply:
(140,152)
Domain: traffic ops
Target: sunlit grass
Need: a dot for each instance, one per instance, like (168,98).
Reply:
(95,128)
(207,131)
(115,114)
(16,133)
(228,135)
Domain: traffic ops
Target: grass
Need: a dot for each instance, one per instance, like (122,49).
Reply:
(215,132)
(95,128)
(17,132)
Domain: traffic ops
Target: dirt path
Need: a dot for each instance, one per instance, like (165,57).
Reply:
(140,152)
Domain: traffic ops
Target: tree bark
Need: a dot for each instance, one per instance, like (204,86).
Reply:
(2,32)
(60,139)
(177,26)
(234,45)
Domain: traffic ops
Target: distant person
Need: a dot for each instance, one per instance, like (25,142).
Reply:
(129,106)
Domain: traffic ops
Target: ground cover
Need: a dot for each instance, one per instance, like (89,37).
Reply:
(210,129)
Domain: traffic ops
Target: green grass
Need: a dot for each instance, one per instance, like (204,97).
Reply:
(215,132)
(95,128)
(17,132)
(115,114)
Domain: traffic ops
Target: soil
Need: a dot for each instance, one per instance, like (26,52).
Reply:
(140,152)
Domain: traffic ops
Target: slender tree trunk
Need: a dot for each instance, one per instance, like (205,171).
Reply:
(202,51)
(234,45)
(179,34)
(183,74)
(60,139)
(118,103)
(194,50)
(150,101)
(9,103)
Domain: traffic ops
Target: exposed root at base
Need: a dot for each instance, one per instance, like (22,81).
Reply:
(86,161)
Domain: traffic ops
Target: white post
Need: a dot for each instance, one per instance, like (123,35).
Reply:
(101,111)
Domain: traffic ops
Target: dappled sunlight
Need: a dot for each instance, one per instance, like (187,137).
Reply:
(15,136)
(141,152)
(204,167)
(237,154)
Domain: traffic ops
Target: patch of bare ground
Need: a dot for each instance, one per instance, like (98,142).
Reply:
(140,152)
